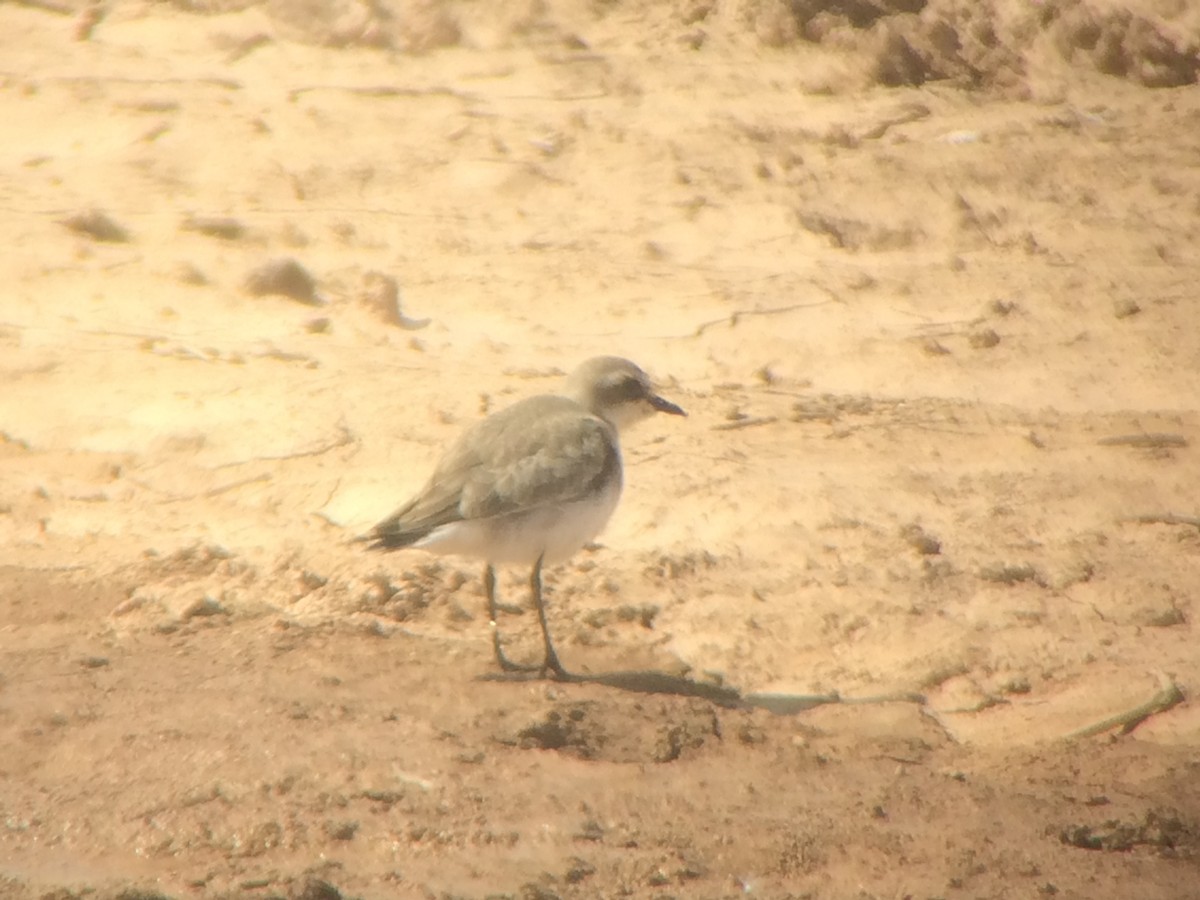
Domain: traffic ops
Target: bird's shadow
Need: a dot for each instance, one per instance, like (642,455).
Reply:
(644,681)
(649,681)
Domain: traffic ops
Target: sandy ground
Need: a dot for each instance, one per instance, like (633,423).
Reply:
(924,276)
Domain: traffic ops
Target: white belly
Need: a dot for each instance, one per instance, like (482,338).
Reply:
(552,532)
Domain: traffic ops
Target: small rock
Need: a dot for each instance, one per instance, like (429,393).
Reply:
(920,540)
(578,870)
(376,628)
(204,606)
(658,878)
(591,830)
(313,580)
(534,891)
(1077,572)
(984,340)
(1008,574)
(191,274)
(459,613)
(751,734)
(599,618)
(1161,617)
(96,225)
(1017,684)
(87,20)
(285,278)
(1123,309)
(341,831)
(315,889)
(223,227)
(653,250)
(135,601)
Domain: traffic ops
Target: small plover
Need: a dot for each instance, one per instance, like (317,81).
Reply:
(530,484)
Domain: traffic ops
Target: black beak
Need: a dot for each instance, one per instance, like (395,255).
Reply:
(664,405)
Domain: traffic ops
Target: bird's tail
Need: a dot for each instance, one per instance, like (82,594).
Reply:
(393,533)
(375,541)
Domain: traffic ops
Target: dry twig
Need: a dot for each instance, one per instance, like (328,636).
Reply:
(735,317)
(1147,441)
(1169,695)
(749,422)
(1162,519)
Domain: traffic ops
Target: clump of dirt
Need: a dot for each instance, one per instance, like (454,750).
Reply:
(899,42)
(978,45)
(406,596)
(1118,42)
(1164,830)
(414,27)
(594,731)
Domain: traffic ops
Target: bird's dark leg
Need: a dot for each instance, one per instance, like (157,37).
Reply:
(550,661)
(506,664)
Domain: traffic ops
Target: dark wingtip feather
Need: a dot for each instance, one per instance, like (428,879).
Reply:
(370,539)
(389,535)
(373,541)
(387,541)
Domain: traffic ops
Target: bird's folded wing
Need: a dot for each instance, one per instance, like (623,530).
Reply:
(552,460)
(544,451)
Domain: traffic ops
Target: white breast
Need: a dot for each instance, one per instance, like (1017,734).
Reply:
(552,532)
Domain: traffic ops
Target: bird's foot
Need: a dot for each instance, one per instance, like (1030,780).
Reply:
(551,666)
(506,664)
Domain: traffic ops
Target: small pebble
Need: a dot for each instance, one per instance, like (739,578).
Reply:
(223,227)
(985,339)
(205,606)
(96,225)
(1123,309)
(284,278)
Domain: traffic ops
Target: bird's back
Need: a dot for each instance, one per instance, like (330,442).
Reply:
(539,454)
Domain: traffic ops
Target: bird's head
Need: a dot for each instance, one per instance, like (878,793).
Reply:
(617,391)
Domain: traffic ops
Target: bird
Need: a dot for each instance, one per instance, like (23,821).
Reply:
(530,484)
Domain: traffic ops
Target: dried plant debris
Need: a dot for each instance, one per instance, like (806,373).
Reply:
(984,339)
(1007,573)
(920,540)
(1168,696)
(1164,830)
(224,227)
(382,293)
(1146,441)
(1165,518)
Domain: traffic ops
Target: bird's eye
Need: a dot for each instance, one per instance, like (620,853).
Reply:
(624,390)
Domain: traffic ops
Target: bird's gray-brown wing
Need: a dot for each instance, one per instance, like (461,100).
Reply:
(542,451)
